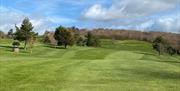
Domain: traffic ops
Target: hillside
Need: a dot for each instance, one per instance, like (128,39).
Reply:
(172,38)
(127,65)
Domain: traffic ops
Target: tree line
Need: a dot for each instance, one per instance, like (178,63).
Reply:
(170,41)
(162,46)
(69,36)
(61,37)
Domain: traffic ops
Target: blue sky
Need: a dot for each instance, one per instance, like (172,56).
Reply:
(143,15)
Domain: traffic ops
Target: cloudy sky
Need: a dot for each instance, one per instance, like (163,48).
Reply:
(143,15)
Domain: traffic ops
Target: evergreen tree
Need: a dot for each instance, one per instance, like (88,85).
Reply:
(63,36)
(10,33)
(92,40)
(159,44)
(171,50)
(24,32)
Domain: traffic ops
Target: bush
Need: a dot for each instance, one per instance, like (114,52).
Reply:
(16,43)
(92,40)
(159,44)
(178,52)
(46,40)
(81,41)
(2,34)
(171,50)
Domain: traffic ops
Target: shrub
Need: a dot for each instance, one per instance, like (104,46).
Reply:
(92,40)
(2,34)
(178,52)
(16,43)
(81,41)
(159,44)
(46,40)
(171,50)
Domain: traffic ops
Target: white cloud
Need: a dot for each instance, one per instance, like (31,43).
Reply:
(96,11)
(152,15)
(167,24)
(126,14)
(10,17)
(128,9)
(60,20)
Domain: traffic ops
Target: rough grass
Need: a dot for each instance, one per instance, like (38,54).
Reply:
(116,66)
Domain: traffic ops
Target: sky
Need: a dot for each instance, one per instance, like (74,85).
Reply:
(142,15)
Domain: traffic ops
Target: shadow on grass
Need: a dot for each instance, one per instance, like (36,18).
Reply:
(3,46)
(159,59)
(169,61)
(54,47)
(145,73)
(160,74)
(146,53)
(9,48)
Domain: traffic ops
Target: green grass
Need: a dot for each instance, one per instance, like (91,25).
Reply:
(117,66)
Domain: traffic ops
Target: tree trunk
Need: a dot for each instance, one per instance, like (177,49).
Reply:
(31,50)
(25,45)
(159,52)
(65,46)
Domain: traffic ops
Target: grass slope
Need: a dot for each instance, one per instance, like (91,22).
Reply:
(116,66)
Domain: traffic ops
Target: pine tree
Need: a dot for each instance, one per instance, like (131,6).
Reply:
(24,32)
(63,36)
